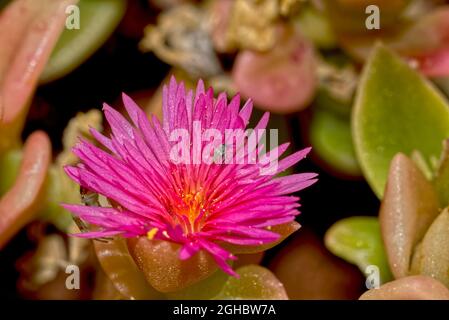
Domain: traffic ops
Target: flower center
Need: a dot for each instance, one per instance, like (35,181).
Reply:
(193,205)
(190,211)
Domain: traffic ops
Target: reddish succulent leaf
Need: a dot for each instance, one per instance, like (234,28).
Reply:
(282,80)
(30,29)
(429,33)
(409,288)
(424,43)
(120,268)
(309,271)
(409,206)
(162,267)
(21,202)
(221,12)
(432,64)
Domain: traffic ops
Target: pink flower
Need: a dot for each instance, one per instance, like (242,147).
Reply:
(198,205)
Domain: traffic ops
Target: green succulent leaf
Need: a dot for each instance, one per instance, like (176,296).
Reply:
(432,256)
(9,168)
(330,135)
(98,19)
(441,179)
(204,290)
(255,283)
(358,241)
(52,211)
(396,110)
(58,192)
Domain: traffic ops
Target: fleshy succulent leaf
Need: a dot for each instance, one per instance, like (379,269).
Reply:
(282,80)
(432,254)
(160,264)
(330,134)
(358,240)
(19,205)
(255,283)
(409,288)
(121,269)
(98,19)
(309,271)
(396,110)
(203,290)
(33,27)
(9,168)
(409,206)
(441,178)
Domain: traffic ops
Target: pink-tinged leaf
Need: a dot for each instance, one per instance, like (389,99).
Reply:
(282,80)
(429,33)
(24,199)
(309,271)
(432,64)
(409,206)
(409,288)
(424,43)
(221,13)
(163,269)
(29,30)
